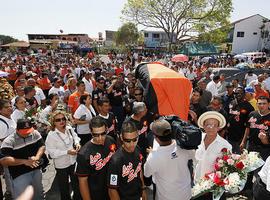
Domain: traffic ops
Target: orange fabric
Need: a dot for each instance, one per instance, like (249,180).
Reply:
(261,93)
(74,101)
(172,90)
(44,83)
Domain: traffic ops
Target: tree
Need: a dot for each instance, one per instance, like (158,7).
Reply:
(217,36)
(127,35)
(7,39)
(179,17)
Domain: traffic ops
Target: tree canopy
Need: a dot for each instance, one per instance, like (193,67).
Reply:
(7,39)
(185,18)
(127,34)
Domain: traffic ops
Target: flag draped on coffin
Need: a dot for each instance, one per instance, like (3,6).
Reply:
(166,92)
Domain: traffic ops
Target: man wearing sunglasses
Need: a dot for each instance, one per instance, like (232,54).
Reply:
(92,162)
(168,165)
(125,178)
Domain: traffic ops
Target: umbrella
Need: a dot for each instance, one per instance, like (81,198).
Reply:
(3,74)
(208,60)
(180,58)
(240,56)
(166,92)
(243,66)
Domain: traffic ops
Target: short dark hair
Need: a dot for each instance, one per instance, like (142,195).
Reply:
(102,100)
(217,98)
(264,98)
(28,89)
(79,83)
(216,78)
(3,102)
(197,89)
(97,122)
(83,98)
(128,127)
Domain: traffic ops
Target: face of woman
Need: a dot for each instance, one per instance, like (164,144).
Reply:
(60,121)
(88,100)
(211,127)
(21,104)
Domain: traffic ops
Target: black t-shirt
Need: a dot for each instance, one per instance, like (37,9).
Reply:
(124,174)
(238,117)
(257,123)
(98,93)
(111,124)
(92,161)
(142,127)
(116,96)
(197,108)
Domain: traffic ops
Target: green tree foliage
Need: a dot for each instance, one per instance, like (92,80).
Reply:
(185,18)
(127,34)
(7,39)
(217,36)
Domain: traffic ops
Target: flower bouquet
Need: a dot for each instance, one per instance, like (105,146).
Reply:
(229,175)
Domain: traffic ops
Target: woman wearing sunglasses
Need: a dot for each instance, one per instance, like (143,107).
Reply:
(63,144)
(125,178)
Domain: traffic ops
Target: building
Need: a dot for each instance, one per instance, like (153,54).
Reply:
(156,39)
(250,34)
(53,41)
(20,46)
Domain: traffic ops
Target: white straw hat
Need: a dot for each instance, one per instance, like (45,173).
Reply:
(212,115)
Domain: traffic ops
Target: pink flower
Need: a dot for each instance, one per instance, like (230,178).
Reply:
(225,158)
(230,161)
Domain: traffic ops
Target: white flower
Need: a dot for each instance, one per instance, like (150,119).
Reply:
(234,182)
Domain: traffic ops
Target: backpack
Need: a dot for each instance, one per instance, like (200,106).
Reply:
(187,135)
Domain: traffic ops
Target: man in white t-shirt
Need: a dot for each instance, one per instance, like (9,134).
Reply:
(250,76)
(88,82)
(57,88)
(212,86)
(168,165)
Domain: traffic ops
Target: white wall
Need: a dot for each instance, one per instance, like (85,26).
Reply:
(249,42)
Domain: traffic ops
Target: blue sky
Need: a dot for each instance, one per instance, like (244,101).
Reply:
(19,17)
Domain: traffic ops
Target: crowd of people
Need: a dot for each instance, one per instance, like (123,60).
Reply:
(89,118)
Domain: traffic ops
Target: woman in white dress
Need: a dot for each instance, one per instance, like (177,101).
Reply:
(82,117)
(20,108)
(63,144)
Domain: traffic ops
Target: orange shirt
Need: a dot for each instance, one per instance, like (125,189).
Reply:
(44,83)
(261,93)
(74,101)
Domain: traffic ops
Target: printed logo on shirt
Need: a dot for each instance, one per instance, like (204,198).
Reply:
(98,161)
(253,124)
(130,172)
(113,179)
(173,155)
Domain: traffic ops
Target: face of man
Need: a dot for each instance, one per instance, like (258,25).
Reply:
(105,108)
(211,126)
(263,105)
(138,95)
(215,105)
(6,111)
(195,97)
(99,135)
(81,87)
(130,141)
(202,85)
(239,94)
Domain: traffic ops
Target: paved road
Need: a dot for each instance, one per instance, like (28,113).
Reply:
(52,192)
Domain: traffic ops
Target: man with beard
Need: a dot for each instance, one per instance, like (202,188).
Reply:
(92,162)
(125,178)
(238,117)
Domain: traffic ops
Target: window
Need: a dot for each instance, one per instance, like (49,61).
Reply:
(240,34)
(255,33)
(145,34)
(155,35)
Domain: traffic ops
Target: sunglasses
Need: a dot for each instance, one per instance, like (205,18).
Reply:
(99,134)
(138,94)
(60,119)
(130,140)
